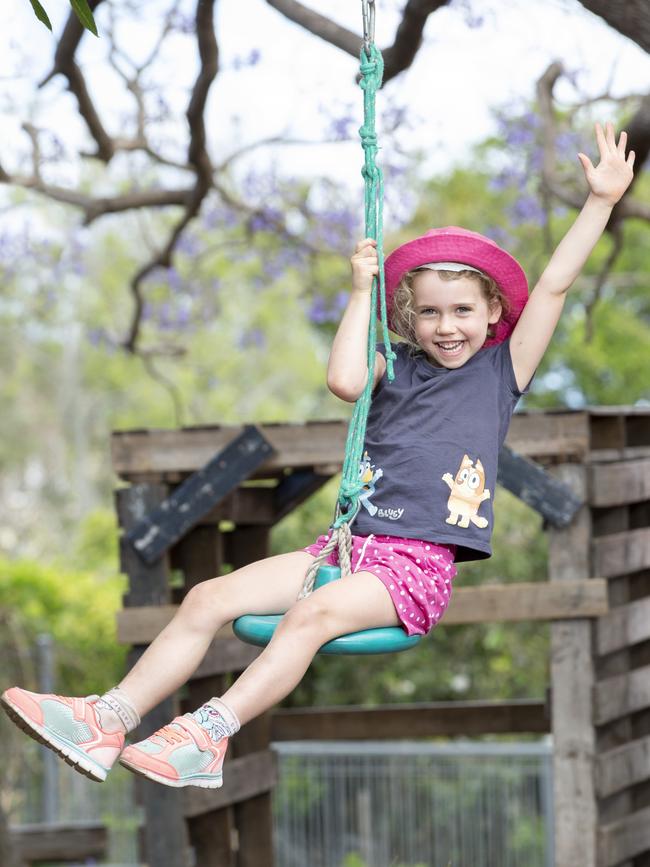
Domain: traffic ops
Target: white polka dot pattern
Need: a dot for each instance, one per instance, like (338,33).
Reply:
(419,604)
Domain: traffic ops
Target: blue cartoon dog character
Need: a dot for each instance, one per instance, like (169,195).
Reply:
(368,478)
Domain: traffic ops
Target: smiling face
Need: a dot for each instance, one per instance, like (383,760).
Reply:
(451,317)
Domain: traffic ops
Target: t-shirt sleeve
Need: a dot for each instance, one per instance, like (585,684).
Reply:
(401,350)
(502,360)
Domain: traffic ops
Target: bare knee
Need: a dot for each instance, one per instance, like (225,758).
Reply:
(203,606)
(313,617)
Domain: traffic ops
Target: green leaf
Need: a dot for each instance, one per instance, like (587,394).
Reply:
(41,14)
(82,10)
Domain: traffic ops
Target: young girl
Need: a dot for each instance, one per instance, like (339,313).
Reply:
(472,341)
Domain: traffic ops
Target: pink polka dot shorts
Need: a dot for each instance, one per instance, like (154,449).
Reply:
(417,574)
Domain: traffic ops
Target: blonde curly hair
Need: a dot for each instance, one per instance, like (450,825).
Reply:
(404,315)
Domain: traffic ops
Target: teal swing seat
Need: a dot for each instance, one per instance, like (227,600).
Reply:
(258,629)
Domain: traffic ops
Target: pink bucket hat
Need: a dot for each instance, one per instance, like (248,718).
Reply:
(453,244)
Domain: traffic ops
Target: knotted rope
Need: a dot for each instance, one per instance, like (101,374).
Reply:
(348,502)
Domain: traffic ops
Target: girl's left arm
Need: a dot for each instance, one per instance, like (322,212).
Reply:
(607,183)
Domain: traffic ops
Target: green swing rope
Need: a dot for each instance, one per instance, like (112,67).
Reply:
(349,503)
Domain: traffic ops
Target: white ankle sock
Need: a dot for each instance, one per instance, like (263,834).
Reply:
(116,703)
(219,720)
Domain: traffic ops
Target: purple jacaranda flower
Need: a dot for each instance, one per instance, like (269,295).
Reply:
(174,280)
(253,337)
(527,210)
(342,128)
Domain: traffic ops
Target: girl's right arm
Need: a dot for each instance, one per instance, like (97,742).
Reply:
(347,371)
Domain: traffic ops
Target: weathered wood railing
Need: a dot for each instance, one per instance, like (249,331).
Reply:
(599,698)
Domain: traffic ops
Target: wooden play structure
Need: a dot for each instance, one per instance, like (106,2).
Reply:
(198,498)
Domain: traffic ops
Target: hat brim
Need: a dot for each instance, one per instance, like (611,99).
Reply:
(470,248)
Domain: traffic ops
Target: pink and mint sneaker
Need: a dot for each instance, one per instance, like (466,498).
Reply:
(181,753)
(69,726)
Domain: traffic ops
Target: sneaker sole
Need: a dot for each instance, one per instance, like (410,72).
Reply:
(70,754)
(214,782)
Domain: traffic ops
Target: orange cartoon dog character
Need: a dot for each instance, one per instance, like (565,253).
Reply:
(467,493)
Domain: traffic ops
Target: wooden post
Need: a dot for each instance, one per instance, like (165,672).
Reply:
(253,816)
(212,834)
(572,674)
(165,837)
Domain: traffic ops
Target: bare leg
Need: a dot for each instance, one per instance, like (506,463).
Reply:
(269,586)
(358,601)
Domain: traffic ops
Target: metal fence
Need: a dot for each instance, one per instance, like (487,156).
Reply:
(414,804)
(351,804)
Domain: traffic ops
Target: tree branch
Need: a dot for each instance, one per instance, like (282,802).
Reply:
(397,57)
(64,63)
(629,17)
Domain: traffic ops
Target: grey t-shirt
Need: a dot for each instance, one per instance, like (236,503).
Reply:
(431,450)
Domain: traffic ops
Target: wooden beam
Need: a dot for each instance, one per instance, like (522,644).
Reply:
(572,678)
(622,694)
(619,483)
(156,532)
(554,501)
(295,488)
(522,601)
(623,626)
(621,553)
(243,778)
(622,840)
(517,602)
(317,443)
(623,766)
(61,841)
(422,720)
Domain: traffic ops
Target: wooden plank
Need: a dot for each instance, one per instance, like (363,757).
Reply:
(540,434)
(148,585)
(623,766)
(522,601)
(623,839)
(192,500)
(185,451)
(317,443)
(244,778)
(623,626)
(621,553)
(64,841)
(295,488)
(420,720)
(518,602)
(508,602)
(619,483)
(528,481)
(572,678)
(622,694)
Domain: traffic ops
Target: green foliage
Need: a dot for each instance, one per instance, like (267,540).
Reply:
(80,7)
(77,609)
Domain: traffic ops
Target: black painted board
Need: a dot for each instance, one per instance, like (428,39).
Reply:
(199,494)
(525,479)
(295,488)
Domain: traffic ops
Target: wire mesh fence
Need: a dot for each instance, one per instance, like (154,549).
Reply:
(414,804)
(349,804)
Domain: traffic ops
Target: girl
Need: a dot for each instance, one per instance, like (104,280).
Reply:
(472,341)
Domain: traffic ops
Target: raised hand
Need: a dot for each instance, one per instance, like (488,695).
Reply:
(613,174)
(365,265)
